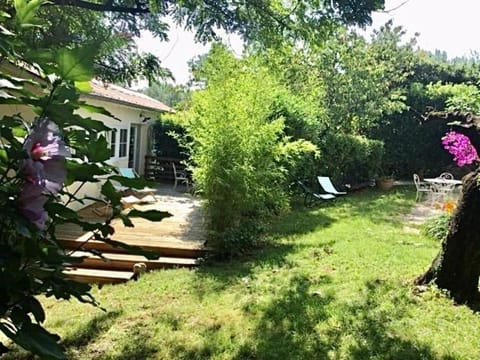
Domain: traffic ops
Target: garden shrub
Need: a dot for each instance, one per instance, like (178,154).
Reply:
(349,158)
(437,227)
(238,152)
(166,144)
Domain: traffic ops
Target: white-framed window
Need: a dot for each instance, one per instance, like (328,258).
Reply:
(112,142)
(123,143)
(117,139)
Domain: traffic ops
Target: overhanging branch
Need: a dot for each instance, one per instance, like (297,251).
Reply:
(105,7)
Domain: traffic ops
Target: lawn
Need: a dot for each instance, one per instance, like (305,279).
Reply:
(335,282)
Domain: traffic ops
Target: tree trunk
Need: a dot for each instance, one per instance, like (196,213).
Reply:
(457,267)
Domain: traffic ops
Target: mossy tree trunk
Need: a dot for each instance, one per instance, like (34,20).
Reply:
(457,267)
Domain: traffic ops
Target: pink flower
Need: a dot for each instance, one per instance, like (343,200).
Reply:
(44,170)
(31,204)
(460,147)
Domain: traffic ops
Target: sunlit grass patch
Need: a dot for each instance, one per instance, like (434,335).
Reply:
(334,282)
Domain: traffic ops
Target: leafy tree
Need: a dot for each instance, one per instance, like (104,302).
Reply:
(364,80)
(172,95)
(117,58)
(456,268)
(238,148)
(264,21)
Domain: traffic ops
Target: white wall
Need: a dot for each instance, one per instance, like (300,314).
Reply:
(128,116)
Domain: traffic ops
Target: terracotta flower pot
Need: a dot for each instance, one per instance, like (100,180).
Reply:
(385,183)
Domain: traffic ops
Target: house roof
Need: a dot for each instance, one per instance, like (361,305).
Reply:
(119,94)
(107,92)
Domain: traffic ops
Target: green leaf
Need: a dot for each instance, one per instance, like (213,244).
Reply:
(98,110)
(19,132)
(151,255)
(37,310)
(83,86)
(97,150)
(82,172)
(152,215)
(35,338)
(61,210)
(44,57)
(134,183)
(3,156)
(3,349)
(25,12)
(85,123)
(109,191)
(76,64)
(126,220)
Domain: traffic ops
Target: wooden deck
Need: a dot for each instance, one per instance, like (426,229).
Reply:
(179,240)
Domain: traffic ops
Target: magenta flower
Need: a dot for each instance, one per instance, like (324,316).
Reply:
(44,170)
(460,147)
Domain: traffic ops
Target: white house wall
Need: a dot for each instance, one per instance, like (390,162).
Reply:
(128,116)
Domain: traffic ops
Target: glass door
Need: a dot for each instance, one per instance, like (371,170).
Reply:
(134,147)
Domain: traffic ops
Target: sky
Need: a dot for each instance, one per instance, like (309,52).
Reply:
(449,25)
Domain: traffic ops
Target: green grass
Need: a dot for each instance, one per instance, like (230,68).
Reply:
(334,283)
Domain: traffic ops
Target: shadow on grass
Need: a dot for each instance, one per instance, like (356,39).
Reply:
(378,206)
(81,337)
(272,253)
(286,329)
(300,326)
(138,346)
(302,221)
(368,323)
(216,276)
(89,332)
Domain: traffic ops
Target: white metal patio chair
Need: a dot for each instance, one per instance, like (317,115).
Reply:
(445,189)
(422,188)
(180,176)
(327,185)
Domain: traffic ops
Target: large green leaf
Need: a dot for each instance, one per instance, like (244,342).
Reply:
(97,150)
(83,86)
(61,211)
(82,172)
(134,183)
(25,12)
(109,191)
(98,110)
(36,309)
(151,255)
(85,123)
(76,64)
(152,215)
(36,339)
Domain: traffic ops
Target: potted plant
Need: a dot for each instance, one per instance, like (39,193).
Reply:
(386,179)
(385,182)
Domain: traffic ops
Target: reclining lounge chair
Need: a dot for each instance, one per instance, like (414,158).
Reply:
(310,196)
(327,186)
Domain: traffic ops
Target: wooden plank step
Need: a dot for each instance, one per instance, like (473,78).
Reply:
(112,261)
(98,276)
(174,249)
